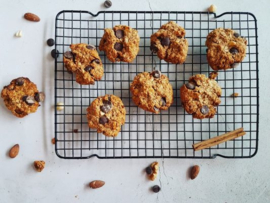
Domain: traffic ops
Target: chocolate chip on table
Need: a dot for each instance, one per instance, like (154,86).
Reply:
(106,107)
(19,82)
(107,3)
(190,86)
(29,100)
(156,74)
(55,53)
(96,61)
(50,42)
(88,68)
(68,55)
(204,110)
(165,41)
(103,120)
(153,48)
(163,101)
(118,46)
(119,34)
(75,130)
(39,96)
(156,188)
(91,47)
(233,51)
(149,170)
(236,34)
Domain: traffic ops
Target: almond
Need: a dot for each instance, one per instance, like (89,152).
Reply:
(194,171)
(14,151)
(96,184)
(31,17)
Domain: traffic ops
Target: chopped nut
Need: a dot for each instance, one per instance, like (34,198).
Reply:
(235,94)
(39,165)
(59,106)
(212,8)
(213,75)
(154,167)
(53,141)
(18,34)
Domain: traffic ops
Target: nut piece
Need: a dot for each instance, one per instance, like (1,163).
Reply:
(18,34)
(59,106)
(96,184)
(53,141)
(31,17)
(154,167)
(194,172)
(212,8)
(235,94)
(39,165)
(14,151)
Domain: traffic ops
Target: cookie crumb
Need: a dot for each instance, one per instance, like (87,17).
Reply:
(154,171)
(213,75)
(235,94)
(39,165)
(212,8)
(53,141)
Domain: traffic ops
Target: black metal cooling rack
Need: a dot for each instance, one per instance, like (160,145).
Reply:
(171,133)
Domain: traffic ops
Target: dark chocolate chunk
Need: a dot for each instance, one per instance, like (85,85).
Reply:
(88,68)
(19,82)
(118,46)
(165,41)
(149,170)
(75,130)
(156,74)
(91,47)
(68,54)
(204,110)
(55,53)
(28,100)
(106,107)
(39,96)
(107,3)
(236,34)
(103,120)
(153,48)
(119,34)
(50,42)
(190,86)
(156,188)
(233,51)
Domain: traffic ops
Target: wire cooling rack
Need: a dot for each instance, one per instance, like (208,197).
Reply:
(171,133)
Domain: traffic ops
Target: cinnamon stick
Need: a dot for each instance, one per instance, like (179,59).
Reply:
(219,139)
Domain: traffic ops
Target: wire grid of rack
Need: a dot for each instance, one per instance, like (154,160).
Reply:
(171,133)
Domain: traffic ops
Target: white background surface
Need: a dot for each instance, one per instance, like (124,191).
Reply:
(220,180)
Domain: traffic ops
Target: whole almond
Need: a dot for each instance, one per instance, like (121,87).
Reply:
(14,151)
(31,17)
(96,184)
(194,172)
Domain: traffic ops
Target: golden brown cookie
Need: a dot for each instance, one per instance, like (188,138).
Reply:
(169,43)
(226,48)
(84,61)
(22,97)
(152,91)
(106,114)
(120,43)
(200,96)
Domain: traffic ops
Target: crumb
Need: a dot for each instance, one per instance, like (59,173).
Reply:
(53,141)
(75,130)
(39,165)
(235,94)
(213,75)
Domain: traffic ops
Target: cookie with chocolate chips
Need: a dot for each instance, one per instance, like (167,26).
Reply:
(22,97)
(84,61)
(226,49)
(120,43)
(200,95)
(169,43)
(152,91)
(106,114)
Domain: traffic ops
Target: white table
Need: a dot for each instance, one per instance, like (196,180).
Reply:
(220,180)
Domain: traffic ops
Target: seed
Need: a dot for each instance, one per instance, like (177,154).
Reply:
(156,188)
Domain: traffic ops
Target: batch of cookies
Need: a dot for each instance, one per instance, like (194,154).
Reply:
(150,91)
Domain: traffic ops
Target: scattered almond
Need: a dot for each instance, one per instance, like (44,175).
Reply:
(194,172)
(212,8)
(14,151)
(31,17)
(39,165)
(235,94)
(96,184)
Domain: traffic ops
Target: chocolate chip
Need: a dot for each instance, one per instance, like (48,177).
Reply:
(106,107)
(88,68)
(153,48)
(68,54)
(55,53)
(163,101)
(119,34)
(118,46)
(190,86)
(149,170)
(156,188)
(236,34)
(29,100)
(19,82)
(156,74)
(96,61)
(204,110)
(235,65)
(39,96)
(233,51)
(50,42)
(75,130)
(91,47)
(103,120)
(165,41)
(206,50)
(19,111)
(107,4)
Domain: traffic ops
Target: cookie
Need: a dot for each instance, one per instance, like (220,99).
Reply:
(84,61)
(152,91)
(120,43)
(200,96)
(22,97)
(226,49)
(169,43)
(106,114)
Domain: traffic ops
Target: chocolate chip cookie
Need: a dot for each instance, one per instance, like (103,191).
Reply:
(22,97)
(226,49)
(106,114)
(120,43)
(169,43)
(152,91)
(200,96)
(84,61)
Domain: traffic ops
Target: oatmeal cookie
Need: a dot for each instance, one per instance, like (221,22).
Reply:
(120,43)
(226,49)
(169,43)
(84,61)
(21,97)
(106,114)
(200,96)
(152,91)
